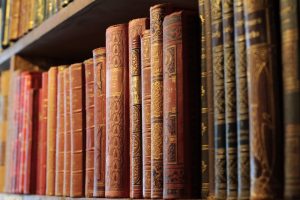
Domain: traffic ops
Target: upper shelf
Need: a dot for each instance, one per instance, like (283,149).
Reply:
(71,34)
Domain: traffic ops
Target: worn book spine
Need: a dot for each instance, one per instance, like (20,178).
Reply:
(219,99)
(32,13)
(14,21)
(181,107)
(289,11)
(242,114)
(117,112)
(230,98)
(6,21)
(78,124)
(42,144)
(39,12)
(90,127)
(146,112)
(51,130)
(22,20)
(59,162)
(265,106)
(99,57)
(157,14)
(204,109)
(135,29)
(67,131)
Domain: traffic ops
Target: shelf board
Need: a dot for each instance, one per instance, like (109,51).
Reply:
(71,34)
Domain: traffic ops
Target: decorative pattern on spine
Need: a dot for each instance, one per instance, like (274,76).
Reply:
(99,117)
(264,84)
(117,112)
(14,19)
(51,130)
(67,122)
(77,116)
(157,14)
(204,109)
(146,112)
(219,99)
(60,131)
(135,29)
(89,103)
(290,11)
(243,161)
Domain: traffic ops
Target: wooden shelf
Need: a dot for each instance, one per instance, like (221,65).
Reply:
(71,34)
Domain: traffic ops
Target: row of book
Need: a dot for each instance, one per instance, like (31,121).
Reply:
(125,123)
(17,17)
(250,99)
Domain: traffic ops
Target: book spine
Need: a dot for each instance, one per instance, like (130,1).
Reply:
(157,14)
(31,16)
(39,11)
(117,112)
(90,127)
(5,39)
(135,29)
(243,164)
(146,111)
(67,131)
(219,99)
(99,57)
(51,130)
(266,134)
(204,109)
(14,23)
(289,11)
(59,162)
(77,116)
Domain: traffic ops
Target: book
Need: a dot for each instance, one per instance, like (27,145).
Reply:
(67,131)
(146,112)
(117,112)
(265,106)
(51,130)
(157,14)
(14,22)
(78,125)
(60,133)
(39,14)
(289,13)
(135,29)
(90,127)
(5,38)
(99,57)
(242,113)
(42,138)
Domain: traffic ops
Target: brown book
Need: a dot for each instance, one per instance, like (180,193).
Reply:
(135,29)
(290,10)
(22,18)
(59,163)
(117,113)
(181,105)
(89,103)
(14,20)
(77,116)
(67,131)
(51,130)
(157,14)
(99,57)
(42,143)
(265,106)
(146,112)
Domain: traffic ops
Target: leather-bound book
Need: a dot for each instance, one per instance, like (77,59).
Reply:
(157,14)
(265,105)
(14,21)
(117,112)
(89,107)
(67,145)
(146,112)
(181,107)
(204,109)
(135,29)
(219,99)
(40,12)
(60,133)
(51,130)
(77,116)
(290,10)
(242,114)
(22,19)
(230,98)
(99,58)
(42,138)
(6,22)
